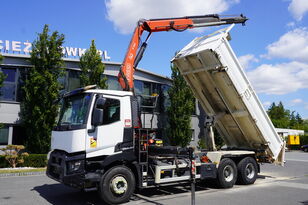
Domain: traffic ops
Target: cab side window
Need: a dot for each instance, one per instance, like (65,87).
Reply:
(111,111)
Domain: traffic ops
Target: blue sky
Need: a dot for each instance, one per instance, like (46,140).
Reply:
(272,47)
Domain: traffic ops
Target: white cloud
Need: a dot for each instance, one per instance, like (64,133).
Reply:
(246,60)
(298,8)
(292,45)
(296,101)
(125,13)
(291,24)
(267,103)
(279,78)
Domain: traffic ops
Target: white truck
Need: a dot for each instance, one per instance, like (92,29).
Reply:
(98,142)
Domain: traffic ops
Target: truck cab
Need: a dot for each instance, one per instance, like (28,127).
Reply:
(92,125)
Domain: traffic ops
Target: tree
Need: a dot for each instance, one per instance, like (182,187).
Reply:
(180,110)
(283,118)
(299,122)
(14,155)
(2,76)
(41,90)
(279,115)
(92,68)
(305,124)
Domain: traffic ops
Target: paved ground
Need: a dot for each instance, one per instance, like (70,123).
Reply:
(275,185)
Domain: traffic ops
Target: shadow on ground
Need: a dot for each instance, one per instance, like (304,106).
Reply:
(261,176)
(58,194)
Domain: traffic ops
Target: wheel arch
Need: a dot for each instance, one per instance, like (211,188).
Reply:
(127,159)
(238,158)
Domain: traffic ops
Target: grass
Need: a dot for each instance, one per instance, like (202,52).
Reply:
(22,170)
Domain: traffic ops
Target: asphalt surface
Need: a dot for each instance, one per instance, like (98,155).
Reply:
(275,185)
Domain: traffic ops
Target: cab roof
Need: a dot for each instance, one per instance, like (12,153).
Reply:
(93,89)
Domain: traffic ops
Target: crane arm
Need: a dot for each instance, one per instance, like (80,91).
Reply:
(135,50)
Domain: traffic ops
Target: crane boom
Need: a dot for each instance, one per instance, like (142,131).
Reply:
(135,51)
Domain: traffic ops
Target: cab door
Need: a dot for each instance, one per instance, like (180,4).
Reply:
(102,138)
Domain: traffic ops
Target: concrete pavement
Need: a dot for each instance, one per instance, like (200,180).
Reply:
(275,185)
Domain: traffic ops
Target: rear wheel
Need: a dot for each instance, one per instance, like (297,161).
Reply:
(117,185)
(226,173)
(247,171)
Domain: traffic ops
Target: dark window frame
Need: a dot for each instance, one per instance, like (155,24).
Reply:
(8,134)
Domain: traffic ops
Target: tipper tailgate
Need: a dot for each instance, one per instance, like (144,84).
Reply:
(217,80)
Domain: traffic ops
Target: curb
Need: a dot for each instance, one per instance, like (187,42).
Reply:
(22,174)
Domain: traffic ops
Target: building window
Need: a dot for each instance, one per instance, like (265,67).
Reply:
(138,86)
(62,81)
(4,135)
(8,91)
(73,80)
(146,88)
(165,100)
(22,76)
(113,83)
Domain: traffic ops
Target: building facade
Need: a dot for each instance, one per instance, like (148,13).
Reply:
(147,84)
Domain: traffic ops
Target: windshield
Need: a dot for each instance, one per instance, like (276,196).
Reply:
(74,112)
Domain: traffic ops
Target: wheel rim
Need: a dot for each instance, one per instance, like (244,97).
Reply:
(118,185)
(250,171)
(228,173)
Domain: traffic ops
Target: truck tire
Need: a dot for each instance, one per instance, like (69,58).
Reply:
(117,185)
(226,173)
(247,170)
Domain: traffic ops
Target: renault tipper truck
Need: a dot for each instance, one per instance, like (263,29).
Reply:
(99,142)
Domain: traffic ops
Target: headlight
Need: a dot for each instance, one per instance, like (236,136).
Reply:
(74,166)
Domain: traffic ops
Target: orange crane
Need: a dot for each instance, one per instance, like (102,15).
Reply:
(135,50)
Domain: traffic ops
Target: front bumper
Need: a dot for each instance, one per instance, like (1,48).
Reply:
(59,169)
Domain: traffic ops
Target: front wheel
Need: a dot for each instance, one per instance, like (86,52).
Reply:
(226,173)
(247,171)
(117,185)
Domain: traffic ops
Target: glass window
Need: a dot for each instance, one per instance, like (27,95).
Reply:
(165,97)
(10,74)
(4,135)
(113,83)
(73,80)
(74,110)
(146,88)
(8,90)
(62,80)
(111,111)
(22,76)
(156,88)
(138,87)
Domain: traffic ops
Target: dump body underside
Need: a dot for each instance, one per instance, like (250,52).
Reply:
(217,80)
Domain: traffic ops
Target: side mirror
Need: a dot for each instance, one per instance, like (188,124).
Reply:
(98,112)
(100,102)
(97,117)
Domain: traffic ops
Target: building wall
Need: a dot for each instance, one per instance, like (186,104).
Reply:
(146,83)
